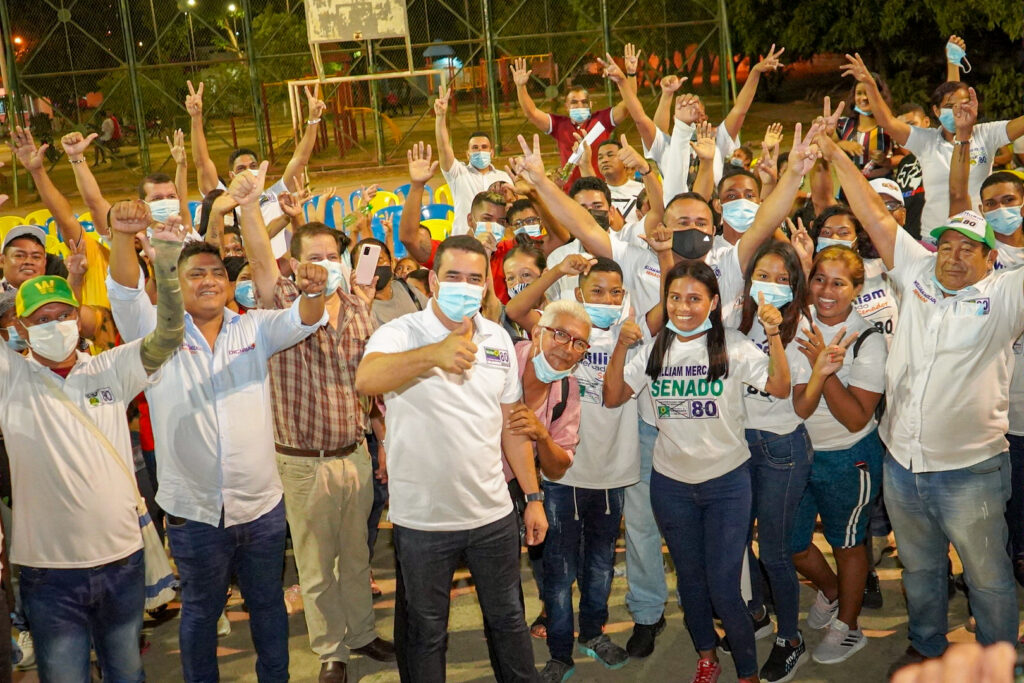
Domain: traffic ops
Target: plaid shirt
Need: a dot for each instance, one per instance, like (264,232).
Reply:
(312,384)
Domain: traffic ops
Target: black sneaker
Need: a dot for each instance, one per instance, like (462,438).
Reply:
(641,643)
(783,661)
(723,645)
(872,592)
(762,626)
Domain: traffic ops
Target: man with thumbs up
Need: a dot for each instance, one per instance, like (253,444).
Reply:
(449,373)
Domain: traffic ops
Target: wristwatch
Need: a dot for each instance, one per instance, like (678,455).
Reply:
(535,497)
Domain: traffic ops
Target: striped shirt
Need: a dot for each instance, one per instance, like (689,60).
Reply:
(874,140)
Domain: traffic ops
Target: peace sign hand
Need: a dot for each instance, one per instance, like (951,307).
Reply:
(76,261)
(533,164)
(177,147)
(441,103)
(194,100)
(770,62)
(829,118)
(832,358)
(315,104)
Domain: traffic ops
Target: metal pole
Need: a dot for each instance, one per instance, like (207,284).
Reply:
(156,33)
(606,34)
(492,89)
(375,103)
(725,59)
(8,71)
(133,81)
(254,79)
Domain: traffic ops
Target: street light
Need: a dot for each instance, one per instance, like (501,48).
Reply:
(18,40)
(191,3)
(232,8)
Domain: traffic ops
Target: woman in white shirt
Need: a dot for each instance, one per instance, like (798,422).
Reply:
(836,391)
(696,370)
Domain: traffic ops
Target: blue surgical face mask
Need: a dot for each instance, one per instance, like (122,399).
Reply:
(480,160)
(162,209)
(861,111)
(335,275)
(14,339)
(545,373)
(739,214)
(458,300)
(245,294)
(947,120)
(951,292)
(532,230)
(603,315)
(737,162)
(703,327)
(496,229)
(1005,220)
(776,294)
(829,242)
(957,55)
(579,114)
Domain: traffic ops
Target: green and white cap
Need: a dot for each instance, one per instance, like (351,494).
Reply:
(969,224)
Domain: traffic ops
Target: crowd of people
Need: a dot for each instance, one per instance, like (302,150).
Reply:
(714,345)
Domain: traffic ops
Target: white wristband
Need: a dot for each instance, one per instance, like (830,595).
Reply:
(312,123)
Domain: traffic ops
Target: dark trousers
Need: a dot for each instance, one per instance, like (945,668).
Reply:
(380,493)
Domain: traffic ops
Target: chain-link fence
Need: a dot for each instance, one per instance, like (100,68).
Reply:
(71,60)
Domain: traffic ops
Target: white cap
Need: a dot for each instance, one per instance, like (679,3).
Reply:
(887,188)
(33,231)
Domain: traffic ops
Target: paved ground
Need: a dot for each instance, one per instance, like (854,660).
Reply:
(673,660)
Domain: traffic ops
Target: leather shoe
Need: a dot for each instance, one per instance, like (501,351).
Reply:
(333,672)
(378,649)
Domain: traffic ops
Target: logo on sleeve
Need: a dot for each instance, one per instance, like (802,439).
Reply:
(100,397)
(496,357)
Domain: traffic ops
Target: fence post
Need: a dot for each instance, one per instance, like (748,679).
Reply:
(606,38)
(726,74)
(12,99)
(378,124)
(133,83)
(492,90)
(254,79)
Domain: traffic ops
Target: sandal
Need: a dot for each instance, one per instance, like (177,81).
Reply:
(539,627)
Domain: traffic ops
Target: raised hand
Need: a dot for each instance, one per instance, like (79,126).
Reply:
(659,239)
(631,58)
(769,316)
(247,187)
(773,135)
(805,151)
(311,279)
(520,73)
(768,164)
(24,147)
(704,143)
(177,147)
(629,333)
(671,83)
(130,217)
(965,114)
(801,241)
(76,262)
(688,109)
(421,169)
(630,158)
(194,100)
(456,353)
(770,62)
(829,118)
(75,143)
(441,103)
(172,230)
(856,67)
(576,264)
(315,105)
(611,70)
(291,202)
(587,158)
(533,164)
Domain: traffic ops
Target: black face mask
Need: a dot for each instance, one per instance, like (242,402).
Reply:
(691,244)
(383,274)
(234,265)
(601,216)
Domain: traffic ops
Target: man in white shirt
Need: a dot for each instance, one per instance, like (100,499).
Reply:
(76,533)
(449,372)
(465,179)
(213,429)
(623,187)
(947,475)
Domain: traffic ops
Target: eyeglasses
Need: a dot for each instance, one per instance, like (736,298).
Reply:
(523,222)
(563,338)
(892,205)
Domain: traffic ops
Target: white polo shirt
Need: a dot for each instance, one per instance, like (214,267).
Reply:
(444,431)
(466,182)
(74,506)
(934,153)
(1013,257)
(672,154)
(948,374)
(700,423)
(212,422)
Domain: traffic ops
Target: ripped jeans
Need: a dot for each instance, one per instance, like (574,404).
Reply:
(582,527)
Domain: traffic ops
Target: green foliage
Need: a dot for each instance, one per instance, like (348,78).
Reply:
(1003,96)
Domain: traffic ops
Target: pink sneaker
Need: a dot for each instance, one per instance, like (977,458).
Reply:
(708,671)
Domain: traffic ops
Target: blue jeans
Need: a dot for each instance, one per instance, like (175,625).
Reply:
(206,556)
(705,526)
(645,566)
(380,493)
(427,561)
(1015,507)
(576,516)
(73,610)
(964,507)
(780,467)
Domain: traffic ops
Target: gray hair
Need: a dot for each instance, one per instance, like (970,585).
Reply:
(7,302)
(564,307)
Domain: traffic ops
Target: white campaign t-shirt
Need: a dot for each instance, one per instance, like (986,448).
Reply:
(270,207)
(934,154)
(672,154)
(74,506)
(700,423)
(624,198)
(1010,257)
(466,183)
(444,430)
(865,371)
(764,411)
(607,455)
(878,303)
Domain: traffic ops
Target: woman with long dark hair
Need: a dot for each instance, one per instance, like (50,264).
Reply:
(696,371)
(859,134)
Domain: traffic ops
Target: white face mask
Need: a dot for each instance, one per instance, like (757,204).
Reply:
(335,276)
(162,209)
(54,340)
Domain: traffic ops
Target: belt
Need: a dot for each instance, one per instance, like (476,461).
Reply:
(321,453)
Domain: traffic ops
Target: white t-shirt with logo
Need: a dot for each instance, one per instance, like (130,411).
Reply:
(1008,258)
(466,182)
(764,411)
(700,423)
(624,198)
(270,207)
(878,302)
(672,154)
(865,371)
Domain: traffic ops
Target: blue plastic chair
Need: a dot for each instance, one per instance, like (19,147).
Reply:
(193,208)
(378,228)
(403,191)
(352,199)
(437,211)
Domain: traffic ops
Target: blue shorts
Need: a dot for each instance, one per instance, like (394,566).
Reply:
(842,489)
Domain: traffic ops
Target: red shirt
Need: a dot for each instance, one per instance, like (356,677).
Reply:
(497,266)
(562,129)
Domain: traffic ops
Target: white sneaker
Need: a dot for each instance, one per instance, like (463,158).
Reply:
(28,652)
(822,611)
(223,625)
(839,644)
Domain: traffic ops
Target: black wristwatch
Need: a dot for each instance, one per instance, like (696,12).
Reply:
(535,497)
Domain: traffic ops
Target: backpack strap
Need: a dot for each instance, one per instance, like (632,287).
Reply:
(860,339)
(559,408)
(408,290)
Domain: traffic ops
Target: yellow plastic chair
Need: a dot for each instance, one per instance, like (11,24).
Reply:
(8,222)
(38,217)
(86,217)
(443,195)
(55,246)
(384,198)
(439,228)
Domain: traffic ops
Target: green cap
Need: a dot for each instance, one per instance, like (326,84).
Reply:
(969,224)
(42,290)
